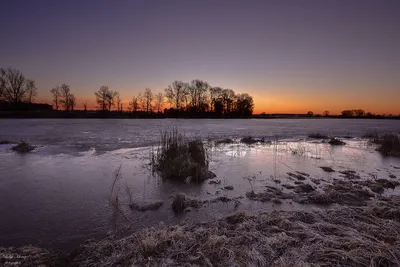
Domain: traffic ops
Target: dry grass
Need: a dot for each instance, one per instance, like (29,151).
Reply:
(345,236)
(23,147)
(181,158)
(336,142)
(249,140)
(389,145)
(317,136)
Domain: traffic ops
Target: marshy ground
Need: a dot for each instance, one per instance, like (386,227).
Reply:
(272,202)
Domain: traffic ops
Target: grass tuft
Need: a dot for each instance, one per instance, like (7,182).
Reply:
(23,147)
(181,158)
(389,145)
(318,136)
(182,201)
(336,142)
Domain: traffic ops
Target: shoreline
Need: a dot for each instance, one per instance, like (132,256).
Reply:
(80,114)
(346,235)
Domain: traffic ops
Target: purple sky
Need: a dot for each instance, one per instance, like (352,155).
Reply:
(292,56)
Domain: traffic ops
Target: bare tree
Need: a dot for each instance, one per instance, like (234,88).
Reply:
(106,98)
(14,86)
(118,101)
(159,99)
(102,97)
(175,93)
(198,97)
(228,98)
(135,103)
(215,95)
(31,92)
(56,93)
(85,106)
(244,105)
(326,113)
(72,102)
(147,99)
(111,99)
(359,112)
(66,97)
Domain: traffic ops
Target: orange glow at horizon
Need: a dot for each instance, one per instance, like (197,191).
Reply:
(273,105)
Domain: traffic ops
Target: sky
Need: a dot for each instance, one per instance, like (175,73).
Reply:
(291,56)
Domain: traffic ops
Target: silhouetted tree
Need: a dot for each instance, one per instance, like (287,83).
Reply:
(31,92)
(218,106)
(326,113)
(85,106)
(147,99)
(244,105)
(105,98)
(347,113)
(159,101)
(310,114)
(135,103)
(228,98)
(359,112)
(118,101)
(72,102)
(198,94)
(67,98)
(56,94)
(175,93)
(215,95)
(14,87)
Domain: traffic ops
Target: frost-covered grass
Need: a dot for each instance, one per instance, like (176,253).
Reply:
(343,236)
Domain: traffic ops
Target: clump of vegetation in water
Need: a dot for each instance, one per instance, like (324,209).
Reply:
(182,201)
(371,135)
(336,142)
(181,158)
(318,136)
(23,147)
(249,140)
(388,144)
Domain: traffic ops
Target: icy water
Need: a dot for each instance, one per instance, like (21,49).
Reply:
(58,195)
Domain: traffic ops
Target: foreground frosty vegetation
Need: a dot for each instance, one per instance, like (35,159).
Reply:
(341,236)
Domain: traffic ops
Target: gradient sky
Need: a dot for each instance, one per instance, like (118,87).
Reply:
(291,56)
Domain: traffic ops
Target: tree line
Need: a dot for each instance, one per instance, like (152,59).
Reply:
(194,97)
(349,113)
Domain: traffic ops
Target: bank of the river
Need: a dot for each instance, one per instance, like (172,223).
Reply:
(366,234)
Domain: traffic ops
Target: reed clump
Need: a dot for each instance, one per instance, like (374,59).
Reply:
(23,147)
(318,136)
(389,145)
(181,158)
